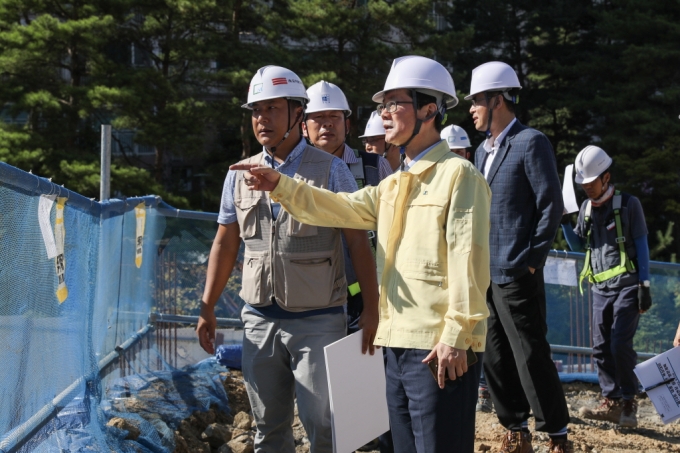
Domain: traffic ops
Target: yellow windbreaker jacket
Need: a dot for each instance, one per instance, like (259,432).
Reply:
(433,246)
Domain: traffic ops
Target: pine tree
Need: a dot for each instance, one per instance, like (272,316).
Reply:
(51,53)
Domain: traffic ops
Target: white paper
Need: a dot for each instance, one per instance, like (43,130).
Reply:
(666,398)
(356,383)
(568,194)
(44,209)
(559,271)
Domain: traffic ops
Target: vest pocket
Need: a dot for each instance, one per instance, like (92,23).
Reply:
(300,230)
(252,281)
(246,213)
(309,281)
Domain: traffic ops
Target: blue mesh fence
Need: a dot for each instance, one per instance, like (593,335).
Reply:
(68,367)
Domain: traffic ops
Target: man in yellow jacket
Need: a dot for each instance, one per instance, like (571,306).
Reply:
(432,221)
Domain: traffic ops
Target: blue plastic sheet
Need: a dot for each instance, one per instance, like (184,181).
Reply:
(230,355)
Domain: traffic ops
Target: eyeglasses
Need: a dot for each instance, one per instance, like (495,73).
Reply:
(372,140)
(483,100)
(391,106)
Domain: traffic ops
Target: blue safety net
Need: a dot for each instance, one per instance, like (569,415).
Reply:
(78,282)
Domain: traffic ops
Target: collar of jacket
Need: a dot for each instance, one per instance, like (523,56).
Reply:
(503,150)
(514,130)
(431,158)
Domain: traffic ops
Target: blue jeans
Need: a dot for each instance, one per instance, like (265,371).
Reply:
(615,320)
(423,417)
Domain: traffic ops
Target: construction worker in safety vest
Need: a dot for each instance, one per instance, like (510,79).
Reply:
(374,141)
(611,229)
(457,139)
(519,164)
(326,126)
(432,220)
(293,276)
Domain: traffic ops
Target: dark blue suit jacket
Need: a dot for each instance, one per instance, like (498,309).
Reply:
(526,202)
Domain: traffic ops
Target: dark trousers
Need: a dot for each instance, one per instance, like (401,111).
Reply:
(519,369)
(423,417)
(615,320)
(482,378)
(355,305)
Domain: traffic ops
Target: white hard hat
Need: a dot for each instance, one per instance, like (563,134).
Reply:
(591,162)
(423,75)
(493,76)
(374,127)
(455,137)
(326,96)
(271,82)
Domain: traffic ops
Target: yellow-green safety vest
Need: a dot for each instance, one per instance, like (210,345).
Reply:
(625,264)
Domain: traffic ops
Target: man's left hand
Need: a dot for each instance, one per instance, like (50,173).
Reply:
(449,358)
(532,270)
(368,323)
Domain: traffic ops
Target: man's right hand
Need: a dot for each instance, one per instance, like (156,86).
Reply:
(644,298)
(258,177)
(207,322)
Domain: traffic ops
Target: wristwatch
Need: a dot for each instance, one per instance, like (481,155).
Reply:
(645,283)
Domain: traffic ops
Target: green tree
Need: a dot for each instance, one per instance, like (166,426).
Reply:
(54,59)
(51,53)
(349,43)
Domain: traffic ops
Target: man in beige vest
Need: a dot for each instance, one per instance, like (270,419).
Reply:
(293,278)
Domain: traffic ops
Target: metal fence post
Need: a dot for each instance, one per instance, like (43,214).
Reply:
(105,186)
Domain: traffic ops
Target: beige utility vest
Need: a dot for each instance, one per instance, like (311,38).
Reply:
(301,265)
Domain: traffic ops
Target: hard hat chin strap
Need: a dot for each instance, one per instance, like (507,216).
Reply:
(506,95)
(416,128)
(272,150)
(388,146)
(490,119)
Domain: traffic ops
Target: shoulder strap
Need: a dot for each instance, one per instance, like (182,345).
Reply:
(368,159)
(588,210)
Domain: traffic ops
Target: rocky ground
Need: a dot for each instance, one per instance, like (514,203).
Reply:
(651,435)
(218,432)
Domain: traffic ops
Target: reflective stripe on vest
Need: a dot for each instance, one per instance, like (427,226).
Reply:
(625,264)
(354,289)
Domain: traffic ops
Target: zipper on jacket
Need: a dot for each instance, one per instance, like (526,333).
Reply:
(272,252)
(313,262)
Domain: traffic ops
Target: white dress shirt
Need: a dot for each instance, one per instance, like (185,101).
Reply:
(492,149)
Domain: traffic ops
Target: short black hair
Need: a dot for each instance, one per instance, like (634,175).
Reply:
(423,99)
(509,103)
(608,170)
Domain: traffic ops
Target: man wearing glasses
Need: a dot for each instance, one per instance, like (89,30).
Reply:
(374,141)
(526,209)
(432,220)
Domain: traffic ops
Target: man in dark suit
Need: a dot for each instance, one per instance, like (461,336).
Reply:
(519,164)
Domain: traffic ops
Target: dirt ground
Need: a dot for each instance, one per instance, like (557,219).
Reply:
(651,435)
